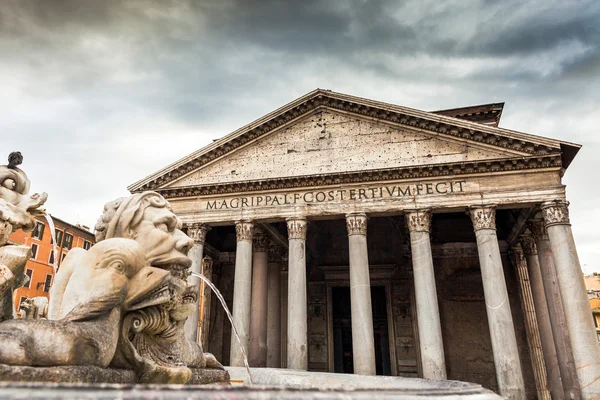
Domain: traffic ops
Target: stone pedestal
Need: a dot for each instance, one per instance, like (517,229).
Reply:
(242,286)
(579,319)
(274,307)
(297,330)
(502,330)
(258,313)
(363,347)
(83,375)
(428,314)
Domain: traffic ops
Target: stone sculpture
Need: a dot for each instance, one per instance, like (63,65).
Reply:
(16,210)
(34,308)
(91,291)
(152,340)
(122,304)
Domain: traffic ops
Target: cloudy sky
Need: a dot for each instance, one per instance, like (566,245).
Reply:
(98,94)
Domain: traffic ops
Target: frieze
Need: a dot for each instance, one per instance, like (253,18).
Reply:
(555,212)
(356,223)
(411,172)
(483,217)
(419,220)
(484,135)
(244,230)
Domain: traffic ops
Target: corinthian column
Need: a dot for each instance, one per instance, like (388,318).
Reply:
(274,307)
(542,317)
(363,343)
(297,331)
(258,311)
(580,324)
(531,327)
(197,232)
(556,311)
(242,285)
(428,314)
(502,330)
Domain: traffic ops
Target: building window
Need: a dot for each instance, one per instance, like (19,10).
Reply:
(34,250)
(62,258)
(47,283)
(68,241)
(29,273)
(87,245)
(38,231)
(51,258)
(59,237)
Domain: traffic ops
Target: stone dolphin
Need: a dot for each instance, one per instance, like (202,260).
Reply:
(91,291)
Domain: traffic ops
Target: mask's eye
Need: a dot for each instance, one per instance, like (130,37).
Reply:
(9,184)
(118,266)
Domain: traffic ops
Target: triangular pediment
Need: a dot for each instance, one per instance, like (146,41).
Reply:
(329,142)
(330,134)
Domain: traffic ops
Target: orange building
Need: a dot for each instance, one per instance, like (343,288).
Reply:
(40,267)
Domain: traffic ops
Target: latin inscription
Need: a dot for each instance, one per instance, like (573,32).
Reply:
(324,196)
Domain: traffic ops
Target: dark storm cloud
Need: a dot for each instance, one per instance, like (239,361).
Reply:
(120,88)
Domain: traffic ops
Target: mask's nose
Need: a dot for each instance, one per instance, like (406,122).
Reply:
(183,242)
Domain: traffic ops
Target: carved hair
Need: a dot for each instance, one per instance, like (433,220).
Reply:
(123,214)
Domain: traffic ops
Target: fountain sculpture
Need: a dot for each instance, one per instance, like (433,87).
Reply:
(121,306)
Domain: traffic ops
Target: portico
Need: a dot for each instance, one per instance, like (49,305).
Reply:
(355,236)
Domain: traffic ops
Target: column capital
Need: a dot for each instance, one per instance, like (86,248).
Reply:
(419,220)
(297,227)
(197,231)
(483,217)
(528,245)
(356,223)
(555,212)
(260,241)
(244,230)
(274,252)
(538,229)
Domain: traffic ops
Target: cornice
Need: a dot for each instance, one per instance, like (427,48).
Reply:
(401,116)
(376,175)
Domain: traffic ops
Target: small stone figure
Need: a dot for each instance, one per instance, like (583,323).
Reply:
(34,308)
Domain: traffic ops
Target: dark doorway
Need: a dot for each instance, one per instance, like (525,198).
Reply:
(342,330)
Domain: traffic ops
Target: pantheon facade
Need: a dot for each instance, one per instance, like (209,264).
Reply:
(354,236)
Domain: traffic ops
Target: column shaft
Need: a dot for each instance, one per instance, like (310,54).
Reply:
(363,347)
(556,311)
(242,286)
(502,330)
(428,314)
(274,308)
(579,319)
(205,306)
(258,310)
(197,232)
(297,330)
(534,341)
(543,318)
